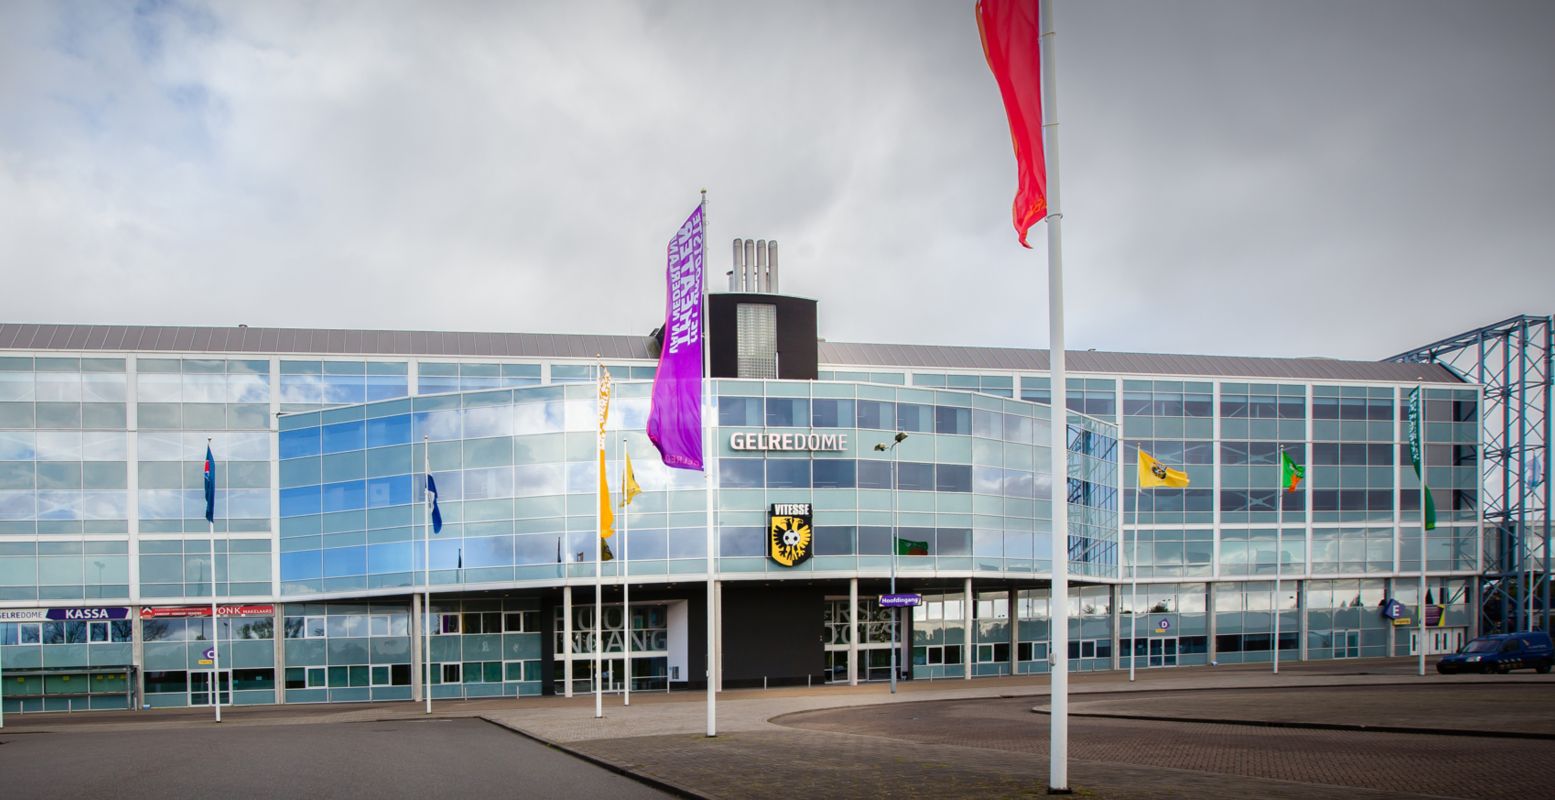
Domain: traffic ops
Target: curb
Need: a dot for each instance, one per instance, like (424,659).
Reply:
(643,778)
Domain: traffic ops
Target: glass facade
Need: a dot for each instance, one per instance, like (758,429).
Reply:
(516,473)
(320,511)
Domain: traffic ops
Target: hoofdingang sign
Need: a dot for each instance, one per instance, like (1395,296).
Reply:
(801,442)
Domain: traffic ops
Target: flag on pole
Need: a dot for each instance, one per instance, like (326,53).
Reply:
(632,489)
(1011,42)
(911,547)
(675,410)
(437,514)
(1153,474)
(1416,444)
(1291,473)
(210,486)
(607,517)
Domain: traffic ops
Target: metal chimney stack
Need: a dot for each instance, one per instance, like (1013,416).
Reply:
(755,266)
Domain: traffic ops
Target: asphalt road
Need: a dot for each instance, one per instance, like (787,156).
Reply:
(427,759)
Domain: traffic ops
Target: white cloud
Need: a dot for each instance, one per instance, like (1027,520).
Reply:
(1376,176)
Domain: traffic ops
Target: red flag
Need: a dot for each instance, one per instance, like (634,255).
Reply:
(1011,36)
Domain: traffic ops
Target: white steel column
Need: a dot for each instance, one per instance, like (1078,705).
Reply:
(417,685)
(567,640)
(967,619)
(853,631)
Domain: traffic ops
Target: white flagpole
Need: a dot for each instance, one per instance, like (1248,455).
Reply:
(215,683)
(599,540)
(707,477)
(1279,554)
(426,564)
(1058,754)
(1420,434)
(626,580)
(1133,591)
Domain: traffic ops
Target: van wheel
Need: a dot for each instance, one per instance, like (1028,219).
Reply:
(1544,670)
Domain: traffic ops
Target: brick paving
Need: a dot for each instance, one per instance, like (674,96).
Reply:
(1527,708)
(1421,764)
(982,738)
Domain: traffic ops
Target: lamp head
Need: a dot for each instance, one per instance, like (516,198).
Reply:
(880,447)
(901,437)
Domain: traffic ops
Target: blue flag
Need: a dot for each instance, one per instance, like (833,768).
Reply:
(210,485)
(437,515)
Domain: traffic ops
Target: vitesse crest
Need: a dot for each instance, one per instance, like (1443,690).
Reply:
(788,533)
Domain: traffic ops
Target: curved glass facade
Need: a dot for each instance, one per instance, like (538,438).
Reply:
(516,474)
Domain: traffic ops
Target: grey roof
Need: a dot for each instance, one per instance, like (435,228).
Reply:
(1109,363)
(310,341)
(325,342)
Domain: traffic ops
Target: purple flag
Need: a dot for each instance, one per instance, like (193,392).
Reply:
(675,415)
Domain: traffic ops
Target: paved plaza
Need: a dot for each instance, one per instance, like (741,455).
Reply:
(1370,729)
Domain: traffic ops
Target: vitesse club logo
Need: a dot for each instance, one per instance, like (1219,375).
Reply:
(788,533)
(1158,471)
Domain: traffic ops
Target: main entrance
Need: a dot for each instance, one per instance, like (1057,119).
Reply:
(874,647)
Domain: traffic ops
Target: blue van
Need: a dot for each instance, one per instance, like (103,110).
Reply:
(1502,653)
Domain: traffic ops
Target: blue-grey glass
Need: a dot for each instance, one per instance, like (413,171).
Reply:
(831,413)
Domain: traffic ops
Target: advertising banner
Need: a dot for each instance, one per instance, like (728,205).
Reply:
(166,612)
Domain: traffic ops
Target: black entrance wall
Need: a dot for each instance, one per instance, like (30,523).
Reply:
(773,633)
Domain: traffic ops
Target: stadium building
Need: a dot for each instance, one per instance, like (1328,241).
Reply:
(106,577)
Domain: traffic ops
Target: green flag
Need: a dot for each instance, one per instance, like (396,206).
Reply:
(910,547)
(1416,449)
(1291,473)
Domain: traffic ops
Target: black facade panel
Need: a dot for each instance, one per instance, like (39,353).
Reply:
(797,341)
(773,633)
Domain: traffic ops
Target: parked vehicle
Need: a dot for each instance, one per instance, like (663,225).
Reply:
(1502,652)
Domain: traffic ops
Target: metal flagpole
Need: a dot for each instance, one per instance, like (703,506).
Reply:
(426,565)
(1058,751)
(1420,433)
(707,476)
(1279,555)
(599,539)
(625,576)
(1134,573)
(215,682)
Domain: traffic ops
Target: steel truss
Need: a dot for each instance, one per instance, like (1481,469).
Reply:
(1513,361)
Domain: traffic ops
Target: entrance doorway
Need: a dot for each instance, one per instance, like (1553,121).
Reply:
(1439,641)
(1163,652)
(200,687)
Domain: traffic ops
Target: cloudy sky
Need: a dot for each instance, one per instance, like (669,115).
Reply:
(1347,179)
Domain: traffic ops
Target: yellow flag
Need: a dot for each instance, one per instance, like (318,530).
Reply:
(632,489)
(1152,474)
(607,517)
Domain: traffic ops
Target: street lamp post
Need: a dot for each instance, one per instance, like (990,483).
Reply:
(900,437)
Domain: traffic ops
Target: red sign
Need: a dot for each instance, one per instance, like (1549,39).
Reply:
(163,612)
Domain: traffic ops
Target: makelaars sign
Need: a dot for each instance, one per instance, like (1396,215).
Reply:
(789,442)
(900,600)
(161,612)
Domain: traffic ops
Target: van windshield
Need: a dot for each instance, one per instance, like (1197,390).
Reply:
(1480,646)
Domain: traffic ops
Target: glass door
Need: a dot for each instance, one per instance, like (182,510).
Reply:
(200,687)
(1163,652)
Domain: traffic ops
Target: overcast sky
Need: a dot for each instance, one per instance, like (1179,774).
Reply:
(1348,179)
